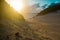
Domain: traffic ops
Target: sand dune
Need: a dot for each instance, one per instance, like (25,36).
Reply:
(47,25)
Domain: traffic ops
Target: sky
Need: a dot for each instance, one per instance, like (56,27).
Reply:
(42,2)
(35,3)
(33,7)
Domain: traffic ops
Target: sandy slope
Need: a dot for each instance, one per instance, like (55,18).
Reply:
(12,22)
(47,25)
(39,28)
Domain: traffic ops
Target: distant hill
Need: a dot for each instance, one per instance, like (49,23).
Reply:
(53,8)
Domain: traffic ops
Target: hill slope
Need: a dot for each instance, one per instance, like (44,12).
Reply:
(50,9)
(47,25)
(12,22)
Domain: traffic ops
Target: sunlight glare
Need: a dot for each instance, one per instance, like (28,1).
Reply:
(16,4)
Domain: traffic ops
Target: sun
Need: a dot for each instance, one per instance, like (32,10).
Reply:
(16,4)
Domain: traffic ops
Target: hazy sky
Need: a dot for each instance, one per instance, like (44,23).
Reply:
(42,2)
(32,7)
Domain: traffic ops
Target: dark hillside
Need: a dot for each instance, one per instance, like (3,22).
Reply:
(50,9)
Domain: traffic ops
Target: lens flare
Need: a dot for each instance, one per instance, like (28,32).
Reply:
(16,4)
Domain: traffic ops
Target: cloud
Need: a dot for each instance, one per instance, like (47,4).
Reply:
(31,10)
